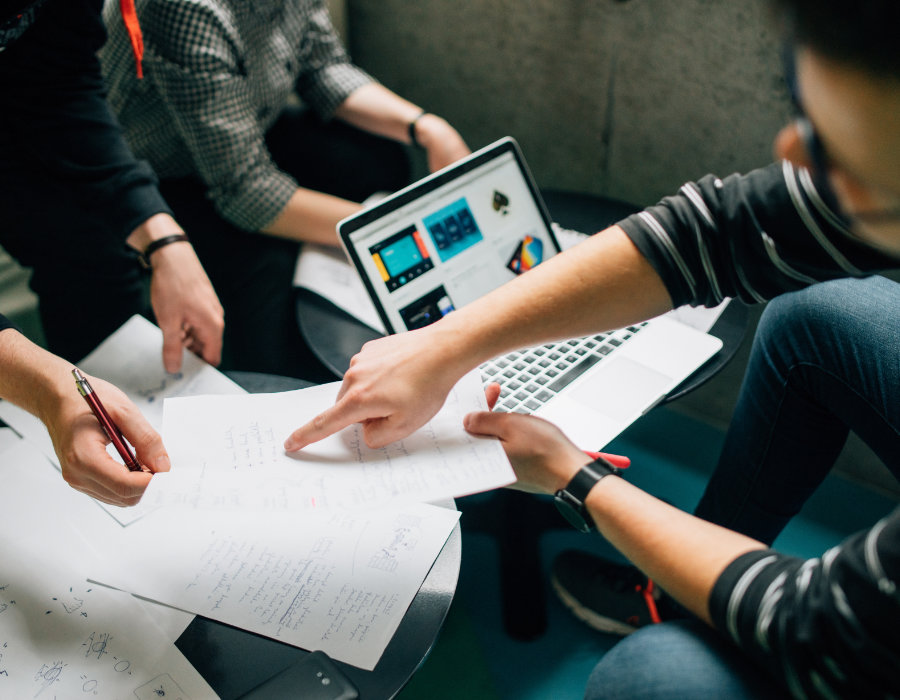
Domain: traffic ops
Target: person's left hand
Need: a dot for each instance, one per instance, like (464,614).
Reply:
(186,307)
(544,459)
(442,143)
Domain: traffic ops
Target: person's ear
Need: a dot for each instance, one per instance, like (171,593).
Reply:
(789,146)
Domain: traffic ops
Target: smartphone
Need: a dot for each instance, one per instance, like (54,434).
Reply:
(314,677)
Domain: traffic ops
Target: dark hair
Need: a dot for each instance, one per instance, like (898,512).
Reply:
(863,33)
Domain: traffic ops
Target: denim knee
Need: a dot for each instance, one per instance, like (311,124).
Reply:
(829,311)
(678,661)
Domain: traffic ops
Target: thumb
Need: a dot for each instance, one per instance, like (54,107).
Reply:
(486,423)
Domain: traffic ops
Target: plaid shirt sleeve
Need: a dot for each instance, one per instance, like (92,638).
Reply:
(221,100)
(327,77)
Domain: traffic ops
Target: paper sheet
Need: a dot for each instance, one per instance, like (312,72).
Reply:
(338,582)
(228,453)
(327,272)
(131,358)
(60,636)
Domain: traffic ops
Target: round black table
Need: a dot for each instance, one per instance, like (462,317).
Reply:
(234,661)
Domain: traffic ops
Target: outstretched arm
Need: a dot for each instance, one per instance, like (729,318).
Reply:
(396,384)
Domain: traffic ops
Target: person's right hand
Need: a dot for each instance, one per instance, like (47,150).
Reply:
(393,386)
(186,307)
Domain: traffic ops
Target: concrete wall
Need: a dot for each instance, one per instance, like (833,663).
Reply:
(627,99)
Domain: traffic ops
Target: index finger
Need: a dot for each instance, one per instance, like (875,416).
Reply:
(173,346)
(343,413)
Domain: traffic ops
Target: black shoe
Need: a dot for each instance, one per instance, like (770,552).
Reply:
(607,596)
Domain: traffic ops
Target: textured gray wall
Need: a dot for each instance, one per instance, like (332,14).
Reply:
(625,99)
(628,99)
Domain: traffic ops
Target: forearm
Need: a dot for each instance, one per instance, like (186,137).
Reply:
(661,540)
(376,109)
(603,283)
(30,376)
(312,216)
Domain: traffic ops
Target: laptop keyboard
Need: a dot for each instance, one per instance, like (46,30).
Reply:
(529,378)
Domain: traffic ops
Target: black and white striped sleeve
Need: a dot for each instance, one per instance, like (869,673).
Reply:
(827,627)
(750,236)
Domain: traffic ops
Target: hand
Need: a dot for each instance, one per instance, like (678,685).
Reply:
(80,443)
(393,386)
(442,143)
(544,459)
(186,307)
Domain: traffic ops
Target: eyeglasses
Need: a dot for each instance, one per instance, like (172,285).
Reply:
(818,157)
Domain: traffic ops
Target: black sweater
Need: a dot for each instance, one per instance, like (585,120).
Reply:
(55,125)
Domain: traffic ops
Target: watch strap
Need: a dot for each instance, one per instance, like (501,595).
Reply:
(571,499)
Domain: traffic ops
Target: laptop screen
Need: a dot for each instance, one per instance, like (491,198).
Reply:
(450,238)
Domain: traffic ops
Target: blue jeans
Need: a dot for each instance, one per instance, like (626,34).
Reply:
(825,360)
(684,660)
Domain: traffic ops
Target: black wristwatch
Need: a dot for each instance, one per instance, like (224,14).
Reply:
(570,500)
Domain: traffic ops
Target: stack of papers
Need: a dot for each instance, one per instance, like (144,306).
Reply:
(61,636)
(324,549)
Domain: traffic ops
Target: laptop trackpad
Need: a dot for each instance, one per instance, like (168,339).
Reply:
(621,390)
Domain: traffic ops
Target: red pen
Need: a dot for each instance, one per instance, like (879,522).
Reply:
(615,460)
(106,422)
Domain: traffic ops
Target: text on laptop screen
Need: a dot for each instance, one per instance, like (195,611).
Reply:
(453,243)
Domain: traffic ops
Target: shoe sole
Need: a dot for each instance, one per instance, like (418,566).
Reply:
(588,616)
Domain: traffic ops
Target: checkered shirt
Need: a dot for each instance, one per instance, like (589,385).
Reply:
(217,75)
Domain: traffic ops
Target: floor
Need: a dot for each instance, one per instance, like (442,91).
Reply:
(672,455)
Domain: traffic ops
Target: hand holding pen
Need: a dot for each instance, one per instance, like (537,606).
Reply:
(82,448)
(106,422)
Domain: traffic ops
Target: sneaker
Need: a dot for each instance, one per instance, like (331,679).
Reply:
(609,597)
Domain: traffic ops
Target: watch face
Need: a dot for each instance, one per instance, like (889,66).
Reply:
(570,512)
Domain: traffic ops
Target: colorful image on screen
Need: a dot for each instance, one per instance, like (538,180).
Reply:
(401,258)
(453,229)
(529,253)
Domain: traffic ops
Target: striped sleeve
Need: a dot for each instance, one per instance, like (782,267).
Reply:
(826,627)
(750,236)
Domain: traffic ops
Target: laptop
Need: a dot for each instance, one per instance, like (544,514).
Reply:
(459,233)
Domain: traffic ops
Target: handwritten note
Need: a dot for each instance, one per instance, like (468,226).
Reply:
(335,581)
(227,453)
(60,636)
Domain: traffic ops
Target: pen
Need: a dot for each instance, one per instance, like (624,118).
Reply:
(616,460)
(106,422)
